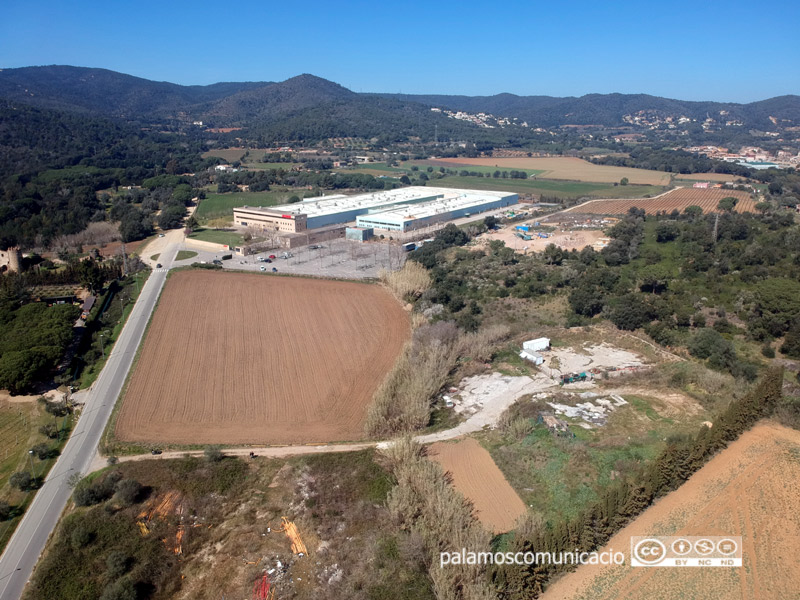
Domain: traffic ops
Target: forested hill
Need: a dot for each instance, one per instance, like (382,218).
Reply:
(609,109)
(108,93)
(258,104)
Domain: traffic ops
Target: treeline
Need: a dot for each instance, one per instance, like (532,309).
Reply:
(672,161)
(624,500)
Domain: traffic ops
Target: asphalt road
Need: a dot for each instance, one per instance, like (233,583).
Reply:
(26,545)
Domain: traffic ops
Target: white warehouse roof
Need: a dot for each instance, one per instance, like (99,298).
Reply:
(387,200)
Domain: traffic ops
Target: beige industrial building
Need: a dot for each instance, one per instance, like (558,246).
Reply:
(267,218)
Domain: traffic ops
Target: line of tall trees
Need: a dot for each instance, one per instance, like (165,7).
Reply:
(628,497)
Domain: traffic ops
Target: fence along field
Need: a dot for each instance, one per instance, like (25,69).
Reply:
(477,476)
(678,199)
(562,167)
(749,490)
(233,358)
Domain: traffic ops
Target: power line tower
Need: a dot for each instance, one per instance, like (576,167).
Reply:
(716,226)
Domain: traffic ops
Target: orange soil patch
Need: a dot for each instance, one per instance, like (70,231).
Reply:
(564,167)
(476,476)
(115,248)
(750,490)
(238,358)
(679,199)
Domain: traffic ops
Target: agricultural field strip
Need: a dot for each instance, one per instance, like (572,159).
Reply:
(479,479)
(741,491)
(679,199)
(562,168)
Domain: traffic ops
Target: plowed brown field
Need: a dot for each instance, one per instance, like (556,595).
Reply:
(238,358)
(749,489)
(707,199)
(476,476)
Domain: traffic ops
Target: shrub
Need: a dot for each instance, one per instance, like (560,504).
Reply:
(43,451)
(213,454)
(128,491)
(81,536)
(22,480)
(119,590)
(5,510)
(117,564)
(704,343)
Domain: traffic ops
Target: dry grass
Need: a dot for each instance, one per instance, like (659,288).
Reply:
(410,281)
(403,401)
(425,504)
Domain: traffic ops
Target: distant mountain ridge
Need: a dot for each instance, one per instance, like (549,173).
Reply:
(101,92)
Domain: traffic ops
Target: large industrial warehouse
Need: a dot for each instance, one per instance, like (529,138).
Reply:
(403,209)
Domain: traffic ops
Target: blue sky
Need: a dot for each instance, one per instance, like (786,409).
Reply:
(700,50)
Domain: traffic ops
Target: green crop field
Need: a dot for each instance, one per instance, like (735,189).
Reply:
(559,189)
(424,164)
(221,205)
(272,165)
(218,236)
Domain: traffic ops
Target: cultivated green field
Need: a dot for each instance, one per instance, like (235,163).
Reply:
(218,236)
(221,205)
(424,164)
(559,189)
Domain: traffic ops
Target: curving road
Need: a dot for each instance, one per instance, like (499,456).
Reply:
(23,550)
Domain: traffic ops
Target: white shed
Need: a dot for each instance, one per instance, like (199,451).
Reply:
(536,345)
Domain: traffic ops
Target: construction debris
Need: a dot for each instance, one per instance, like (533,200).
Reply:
(291,531)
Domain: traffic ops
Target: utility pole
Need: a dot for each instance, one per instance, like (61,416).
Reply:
(30,455)
(124,260)
(716,224)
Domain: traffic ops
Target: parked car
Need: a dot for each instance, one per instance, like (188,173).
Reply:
(158,265)
(160,235)
(272,256)
(263,268)
(274,270)
(267,260)
(155,451)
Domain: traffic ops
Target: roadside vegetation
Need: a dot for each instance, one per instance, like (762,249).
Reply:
(209,527)
(32,434)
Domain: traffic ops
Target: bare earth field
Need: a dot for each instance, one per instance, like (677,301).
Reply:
(679,199)
(567,239)
(564,167)
(750,490)
(240,358)
(476,476)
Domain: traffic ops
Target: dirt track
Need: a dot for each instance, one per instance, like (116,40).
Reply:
(748,490)
(476,476)
(240,359)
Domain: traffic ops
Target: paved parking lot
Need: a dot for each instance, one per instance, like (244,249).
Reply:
(338,258)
